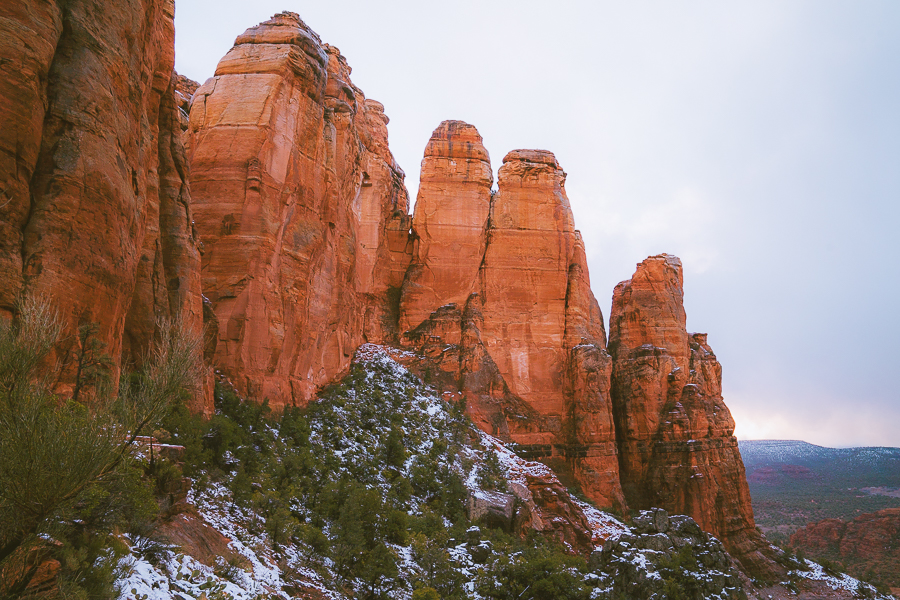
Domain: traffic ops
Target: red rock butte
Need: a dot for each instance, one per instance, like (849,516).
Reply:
(287,211)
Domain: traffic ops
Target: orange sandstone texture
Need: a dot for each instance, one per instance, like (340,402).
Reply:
(498,300)
(450,220)
(675,434)
(301,209)
(95,209)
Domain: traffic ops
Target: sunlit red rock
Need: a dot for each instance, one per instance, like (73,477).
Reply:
(502,309)
(675,434)
(301,209)
(449,223)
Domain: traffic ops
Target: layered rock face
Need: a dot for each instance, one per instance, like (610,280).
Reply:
(95,208)
(498,299)
(301,209)
(542,324)
(676,448)
(450,220)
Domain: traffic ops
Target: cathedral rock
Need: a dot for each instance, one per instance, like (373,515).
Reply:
(675,434)
(290,214)
(301,209)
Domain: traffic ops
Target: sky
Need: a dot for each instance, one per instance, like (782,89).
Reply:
(757,140)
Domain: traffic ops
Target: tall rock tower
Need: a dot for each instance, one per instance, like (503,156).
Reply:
(675,434)
(498,297)
(301,209)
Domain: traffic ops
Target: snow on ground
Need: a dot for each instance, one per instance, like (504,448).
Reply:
(175,575)
(604,525)
(842,582)
(171,574)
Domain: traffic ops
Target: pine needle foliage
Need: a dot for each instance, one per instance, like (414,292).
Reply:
(63,463)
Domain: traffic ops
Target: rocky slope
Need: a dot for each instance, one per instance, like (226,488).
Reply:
(233,536)
(868,546)
(95,208)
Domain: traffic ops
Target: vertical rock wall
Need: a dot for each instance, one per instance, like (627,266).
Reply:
(450,220)
(675,434)
(498,299)
(301,209)
(304,218)
(94,201)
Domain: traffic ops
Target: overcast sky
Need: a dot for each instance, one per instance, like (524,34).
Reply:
(757,140)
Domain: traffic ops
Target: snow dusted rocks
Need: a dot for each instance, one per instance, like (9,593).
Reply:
(661,553)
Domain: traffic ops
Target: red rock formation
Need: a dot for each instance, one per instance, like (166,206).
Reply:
(184,92)
(676,448)
(869,545)
(511,320)
(94,202)
(450,219)
(301,209)
(542,326)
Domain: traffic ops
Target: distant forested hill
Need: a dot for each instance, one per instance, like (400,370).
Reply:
(794,483)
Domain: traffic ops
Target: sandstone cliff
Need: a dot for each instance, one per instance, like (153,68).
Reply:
(676,448)
(95,208)
(309,251)
(498,300)
(301,209)
(450,222)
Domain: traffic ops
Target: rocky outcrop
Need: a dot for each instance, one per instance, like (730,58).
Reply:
(868,546)
(675,434)
(309,251)
(184,93)
(498,301)
(450,221)
(666,557)
(95,209)
(301,209)
(542,326)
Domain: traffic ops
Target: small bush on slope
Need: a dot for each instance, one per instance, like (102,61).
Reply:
(69,474)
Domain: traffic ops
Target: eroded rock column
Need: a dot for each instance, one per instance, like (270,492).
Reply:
(301,210)
(449,223)
(675,434)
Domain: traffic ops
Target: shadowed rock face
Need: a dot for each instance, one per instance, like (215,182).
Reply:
(676,448)
(94,202)
(301,209)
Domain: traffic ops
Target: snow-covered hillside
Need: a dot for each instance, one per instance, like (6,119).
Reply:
(383,490)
